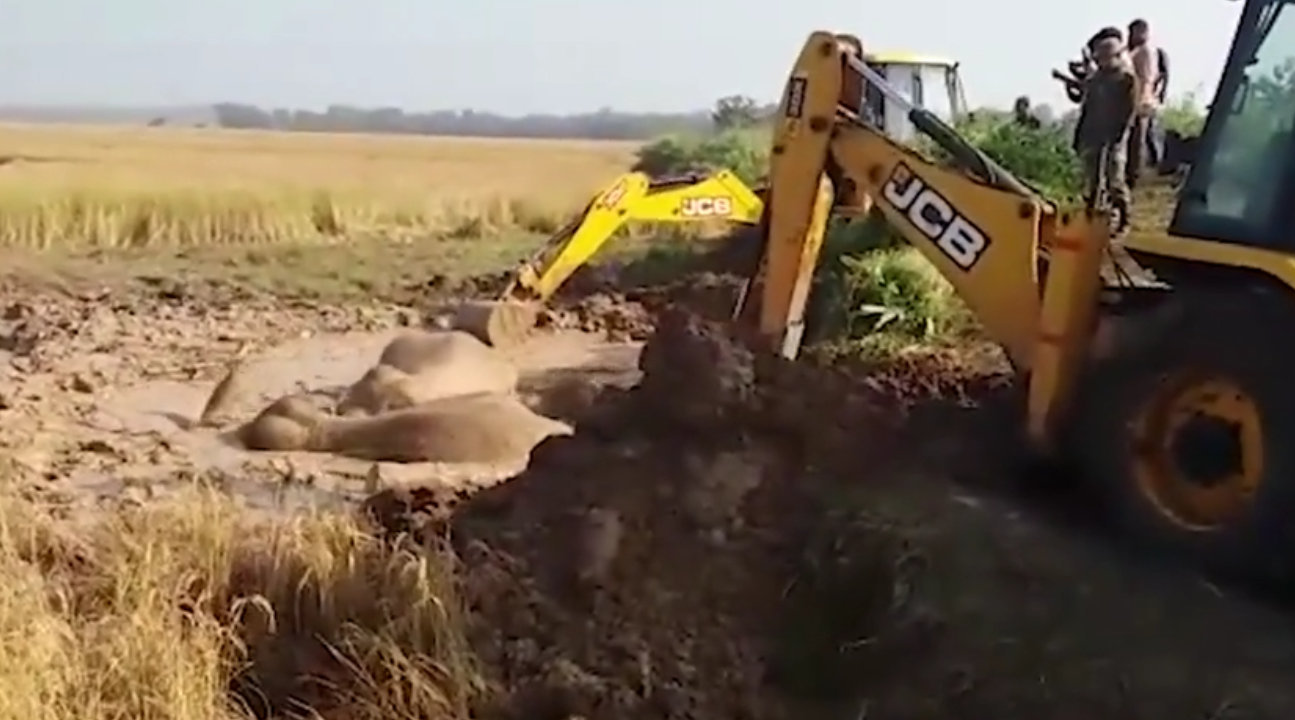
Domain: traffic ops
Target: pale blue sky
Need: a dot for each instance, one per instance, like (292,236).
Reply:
(517,56)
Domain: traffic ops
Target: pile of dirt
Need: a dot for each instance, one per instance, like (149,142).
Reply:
(624,312)
(641,567)
(611,314)
(738,537)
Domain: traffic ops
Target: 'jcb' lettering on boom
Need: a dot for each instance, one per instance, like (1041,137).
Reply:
(706,207)
(935,217)
(613,196)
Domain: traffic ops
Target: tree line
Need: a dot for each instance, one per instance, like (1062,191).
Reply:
(605,124)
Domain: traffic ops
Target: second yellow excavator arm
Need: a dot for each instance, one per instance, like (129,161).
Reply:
(633,197)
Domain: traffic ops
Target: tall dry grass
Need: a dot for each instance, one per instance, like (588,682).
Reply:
(64,186)
(196,609)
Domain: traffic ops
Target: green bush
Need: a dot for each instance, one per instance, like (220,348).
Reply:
(1042,156)
(1184,115)
(882,301)
(869,294)
(897,290)
(741,151)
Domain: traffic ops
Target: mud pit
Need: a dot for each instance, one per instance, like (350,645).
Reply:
(327,364)
(731,538)
(101,390)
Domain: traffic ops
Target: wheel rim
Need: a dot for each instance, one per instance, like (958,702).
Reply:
(1198,451)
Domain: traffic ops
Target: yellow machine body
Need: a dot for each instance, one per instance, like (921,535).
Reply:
(1170,390)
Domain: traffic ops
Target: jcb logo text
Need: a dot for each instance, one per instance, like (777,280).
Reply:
(706,207)
(613,196)
(934,217)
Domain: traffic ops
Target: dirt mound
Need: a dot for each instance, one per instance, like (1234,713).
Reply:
(641,567)
(626,312)
(738,537)
(610,313)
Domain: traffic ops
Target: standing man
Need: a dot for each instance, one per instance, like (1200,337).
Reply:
(1110,100)
(1146,68)
(1022,116)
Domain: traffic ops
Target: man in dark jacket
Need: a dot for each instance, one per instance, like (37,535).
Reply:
(1083,67)
(1101,137)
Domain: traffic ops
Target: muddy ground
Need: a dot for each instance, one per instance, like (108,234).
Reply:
(722,537)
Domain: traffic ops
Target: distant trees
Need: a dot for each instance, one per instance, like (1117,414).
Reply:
(604,124)
(729,113)
(735,112)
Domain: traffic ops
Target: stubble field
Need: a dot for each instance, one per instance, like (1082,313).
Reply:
(156,187)
(717,537)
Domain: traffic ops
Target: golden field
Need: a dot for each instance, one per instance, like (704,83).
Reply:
(77,186)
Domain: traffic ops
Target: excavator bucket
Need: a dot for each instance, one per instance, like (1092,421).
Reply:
(499,323)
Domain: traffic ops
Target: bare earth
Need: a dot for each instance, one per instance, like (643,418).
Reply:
(729,537)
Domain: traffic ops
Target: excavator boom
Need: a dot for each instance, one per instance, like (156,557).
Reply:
(1030,275)
(632,198)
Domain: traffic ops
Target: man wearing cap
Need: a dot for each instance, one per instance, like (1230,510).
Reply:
(1110,98)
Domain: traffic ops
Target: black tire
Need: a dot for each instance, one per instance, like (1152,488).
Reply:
(1241,336)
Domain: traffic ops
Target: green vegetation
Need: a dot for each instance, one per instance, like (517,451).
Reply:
(742,150)
(1040,156)
(1183,114)
(871,292)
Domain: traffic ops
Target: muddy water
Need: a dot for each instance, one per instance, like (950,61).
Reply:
(153,439)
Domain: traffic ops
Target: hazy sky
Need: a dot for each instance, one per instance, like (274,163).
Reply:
(517,56)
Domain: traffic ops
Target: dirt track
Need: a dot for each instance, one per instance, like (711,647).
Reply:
(731,538)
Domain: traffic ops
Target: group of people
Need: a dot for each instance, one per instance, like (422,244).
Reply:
(1121,91)
(1120,85)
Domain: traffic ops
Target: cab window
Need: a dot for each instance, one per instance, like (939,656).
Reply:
(1237,184)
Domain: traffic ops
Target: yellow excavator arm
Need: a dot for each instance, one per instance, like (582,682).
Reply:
(633,197)
(1031,275)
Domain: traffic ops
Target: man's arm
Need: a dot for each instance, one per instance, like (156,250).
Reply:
(1142,68)
(1162,82)
(1126,101)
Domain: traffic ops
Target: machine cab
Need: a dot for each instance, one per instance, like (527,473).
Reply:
(1241,185)
(926,81)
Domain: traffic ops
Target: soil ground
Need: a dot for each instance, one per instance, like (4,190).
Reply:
(722,536)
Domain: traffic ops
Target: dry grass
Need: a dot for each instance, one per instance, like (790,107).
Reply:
(145,187)
(195,608)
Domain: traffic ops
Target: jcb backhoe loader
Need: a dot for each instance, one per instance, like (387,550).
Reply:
(631,198)
(1172,394)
